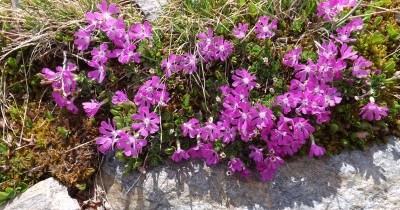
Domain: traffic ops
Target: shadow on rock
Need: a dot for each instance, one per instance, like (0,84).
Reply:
(352,179)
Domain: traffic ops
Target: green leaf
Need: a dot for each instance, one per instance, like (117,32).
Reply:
(311,7)
(169,151)
(241,2)
(3,149)
(3,196)
(186,100)
(253,11)
(7,194)
(377,38)
(393,31)
(12,63)
(63,131)
(390,66)
(80,187)
(333,127)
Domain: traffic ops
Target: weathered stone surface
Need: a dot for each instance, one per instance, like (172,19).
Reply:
(352,180)
(151,7)
(48,194)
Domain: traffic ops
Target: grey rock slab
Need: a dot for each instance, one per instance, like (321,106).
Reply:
(48,194)
(352,180)
(151,7)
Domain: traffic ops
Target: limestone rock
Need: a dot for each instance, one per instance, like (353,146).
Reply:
(151,7)
(352,180)
(48,194)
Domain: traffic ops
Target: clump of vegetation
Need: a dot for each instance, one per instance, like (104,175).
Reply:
(179,87)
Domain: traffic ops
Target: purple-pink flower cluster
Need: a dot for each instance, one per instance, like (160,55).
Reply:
(64,84)
(213,48)
(145,122)
(209,48)
(309,99)
(372,112)
(123,39)
(311,92)
(239,118)
(176,63)
(264,28)
(331,8)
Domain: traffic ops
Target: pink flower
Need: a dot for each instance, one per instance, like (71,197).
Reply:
(243,119)
(269,166)
(213,48)
(119,97)
(265,28)
(106,10)
(360,67)
(343,35)
(236,165)
(356,24)
(302,129)
(292,58)
(189,63)
(152,92)
(327,51)
(209,154)
(99,73)
(206,45)
(171,64)
(110,135)
(372,112)
(100,54)
(128,54)
(114,28)
(140,31)
(63,80)
(264,118)
(227,132)
(256,154)
(92,107)
(131,144)
(82,39)
(331,8)
(316,151)
(180,155)
(146,122)
(62,101)
(306,72)
(332,96)
(190,128)
(346,52)
(240,30)
(209,132)
(287,101)
(92,20)
(222,49)
(243,78)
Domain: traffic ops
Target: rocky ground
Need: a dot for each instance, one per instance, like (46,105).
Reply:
(352,180)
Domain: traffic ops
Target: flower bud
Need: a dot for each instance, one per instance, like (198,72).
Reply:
(266,61)
(271,90)
(371,99)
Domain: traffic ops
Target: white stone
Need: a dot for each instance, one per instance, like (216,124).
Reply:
(151,7)
(48,194)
